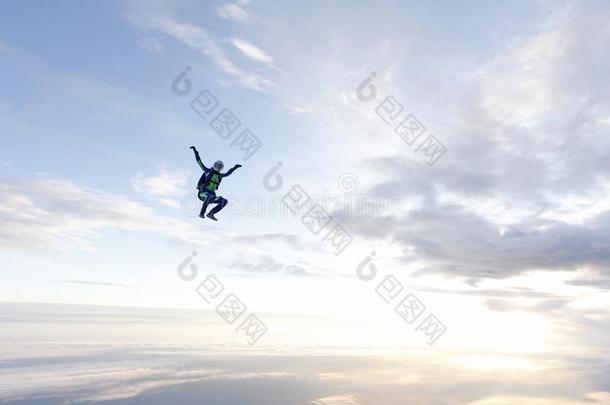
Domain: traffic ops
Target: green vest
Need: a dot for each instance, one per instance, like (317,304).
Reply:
(214,182)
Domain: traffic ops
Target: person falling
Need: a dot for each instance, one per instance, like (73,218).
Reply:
(208,184)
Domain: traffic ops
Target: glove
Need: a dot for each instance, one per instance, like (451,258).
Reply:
(193,148)
(237,166)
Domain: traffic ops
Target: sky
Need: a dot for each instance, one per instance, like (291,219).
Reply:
(491,214)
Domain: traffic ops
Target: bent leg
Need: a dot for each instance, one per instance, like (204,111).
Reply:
(220,202)
(207,198)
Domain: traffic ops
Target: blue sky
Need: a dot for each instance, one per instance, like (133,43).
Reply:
(95,144)
(510,226)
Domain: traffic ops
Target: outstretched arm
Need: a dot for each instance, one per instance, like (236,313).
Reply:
(231,170)
(199,162)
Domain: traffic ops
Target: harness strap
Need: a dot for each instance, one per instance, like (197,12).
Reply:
(213,182)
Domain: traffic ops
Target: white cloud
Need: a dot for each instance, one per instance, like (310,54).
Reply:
(252,51)
(233,11)
(519,88)
(337,400)
(197,38)
(161,19)
(296,109)
(57,214)
(152,44)
(167,185)
(165,371)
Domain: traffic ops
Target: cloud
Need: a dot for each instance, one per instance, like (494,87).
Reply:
(54,214)
(161,19)
(197,38)
(544,306)
(508,292)
(179,373)
(253,52)
(337,400)
(101,283)
(104,284)
(600,283)
(295,109)
(167,185)
(295,242)
(452,240)
(233,11)
(265,264)
(524,184)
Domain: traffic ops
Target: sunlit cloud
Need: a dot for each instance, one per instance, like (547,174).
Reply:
(52,213)
(506,238)
(253,52)
(166,186)
(233,11)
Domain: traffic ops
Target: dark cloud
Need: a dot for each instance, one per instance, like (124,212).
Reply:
(528,133)
(453,240)
(602,283)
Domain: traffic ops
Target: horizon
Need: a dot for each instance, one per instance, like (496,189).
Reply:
(415,202)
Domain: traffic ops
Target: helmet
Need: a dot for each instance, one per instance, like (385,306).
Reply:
(218,165)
